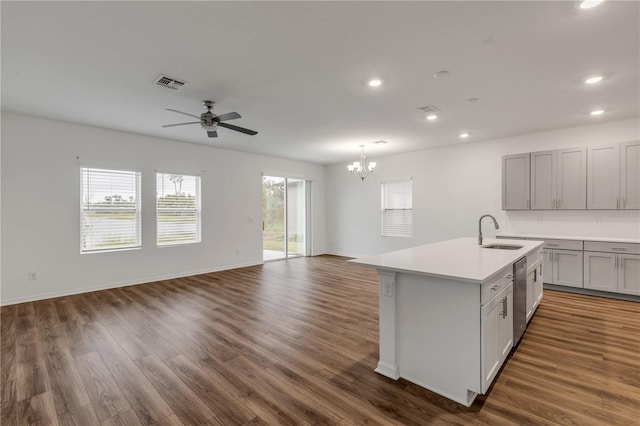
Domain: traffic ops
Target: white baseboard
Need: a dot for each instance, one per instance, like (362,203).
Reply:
(391,371)
(335,253)
(50,295)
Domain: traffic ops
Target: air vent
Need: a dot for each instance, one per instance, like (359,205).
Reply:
(429,109)
(170,82)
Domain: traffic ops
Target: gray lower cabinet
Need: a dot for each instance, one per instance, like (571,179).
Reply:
(562,263)
(595,265)
(615,267)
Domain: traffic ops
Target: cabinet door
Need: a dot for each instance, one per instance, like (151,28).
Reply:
(515,182)
(496,339)
(547,266)
(543,180)
(489,341)
(531,278)
(571,188)
(505,324)
(538,289)
(567,268)
(630,175)
(603,177)
(600,271)
(629,274)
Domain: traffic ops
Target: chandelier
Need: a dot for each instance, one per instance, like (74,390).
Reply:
(361,168)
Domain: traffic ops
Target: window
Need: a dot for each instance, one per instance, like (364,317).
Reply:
(397,209)
(177,209)
(110,210)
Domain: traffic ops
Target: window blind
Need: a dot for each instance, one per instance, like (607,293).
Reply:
(177,209)
(110,210)
(397,209)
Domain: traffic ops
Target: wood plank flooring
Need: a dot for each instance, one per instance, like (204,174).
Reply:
(289,343)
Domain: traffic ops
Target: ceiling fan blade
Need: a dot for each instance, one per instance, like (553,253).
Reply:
(229,116)
(238,129)
(212,133)
(181,124)
(183,113)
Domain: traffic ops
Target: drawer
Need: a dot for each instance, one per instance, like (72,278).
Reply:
(563,244)
(491,288)
(626,248)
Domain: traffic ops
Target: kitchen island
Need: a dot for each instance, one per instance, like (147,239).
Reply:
(446,313)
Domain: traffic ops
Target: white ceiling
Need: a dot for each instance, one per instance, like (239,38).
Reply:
(298,71)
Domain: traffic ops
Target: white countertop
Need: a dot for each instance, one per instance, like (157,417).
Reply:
(574,238)
(461,259)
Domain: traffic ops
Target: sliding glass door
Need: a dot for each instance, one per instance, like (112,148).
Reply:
(284,221)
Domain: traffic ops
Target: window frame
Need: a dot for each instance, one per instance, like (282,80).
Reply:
(197,210)
(384,228)
(137,210)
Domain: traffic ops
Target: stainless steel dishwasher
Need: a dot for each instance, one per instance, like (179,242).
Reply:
(519,299)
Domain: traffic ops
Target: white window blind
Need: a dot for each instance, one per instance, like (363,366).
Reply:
(177,209)
(110,210)
(397,209)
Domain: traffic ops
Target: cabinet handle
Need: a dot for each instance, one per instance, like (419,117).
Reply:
(504,308)
(552,245)
(616,262)
(617,203)
(624,203)
(495,287)
(619,248)
(528,204)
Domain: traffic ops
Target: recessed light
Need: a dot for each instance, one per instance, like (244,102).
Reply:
(464,135)
(472,100)
(593,79)
(431,117)
(597,112)
(375,82)
(588,4)
(441,74)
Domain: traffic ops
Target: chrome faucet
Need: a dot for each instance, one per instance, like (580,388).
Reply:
(495,222)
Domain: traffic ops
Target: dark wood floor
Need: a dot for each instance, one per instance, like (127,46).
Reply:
(293,342)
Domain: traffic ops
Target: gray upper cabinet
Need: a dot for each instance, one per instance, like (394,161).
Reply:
(603,177)
(559,179)
(543,180)
(613,179)
(515,182)
(630,175)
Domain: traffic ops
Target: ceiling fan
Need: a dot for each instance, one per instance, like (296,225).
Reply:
(210,122)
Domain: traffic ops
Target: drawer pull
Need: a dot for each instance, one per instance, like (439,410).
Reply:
(619,248)
(552,245)
(495,287)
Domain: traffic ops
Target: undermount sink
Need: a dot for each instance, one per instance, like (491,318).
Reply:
(502,246)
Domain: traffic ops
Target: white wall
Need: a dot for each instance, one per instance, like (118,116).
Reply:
(41,210)
(453,186)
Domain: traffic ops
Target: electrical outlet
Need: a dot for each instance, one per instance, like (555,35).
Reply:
(387,289)
(32,276)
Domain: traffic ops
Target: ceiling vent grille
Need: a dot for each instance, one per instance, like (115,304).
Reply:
(429,109)
(170,82)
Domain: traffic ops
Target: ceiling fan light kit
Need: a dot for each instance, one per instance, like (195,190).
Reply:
(210,122)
